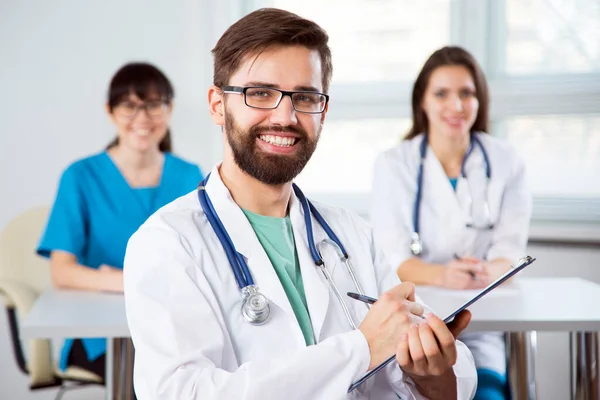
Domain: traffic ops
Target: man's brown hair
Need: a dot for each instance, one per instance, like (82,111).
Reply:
(261,29)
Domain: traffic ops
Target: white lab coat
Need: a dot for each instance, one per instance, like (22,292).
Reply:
(443,214)
(191,342)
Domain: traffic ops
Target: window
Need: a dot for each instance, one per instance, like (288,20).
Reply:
(552,36)
(377,40)
(542,61)
(562,153)
(343,161)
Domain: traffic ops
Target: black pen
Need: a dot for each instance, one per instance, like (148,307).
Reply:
(471,273)
(362,297)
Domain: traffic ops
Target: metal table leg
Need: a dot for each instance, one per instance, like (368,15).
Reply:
(122,370)
(109,369)
(520,353)
(584,365)
(128,370)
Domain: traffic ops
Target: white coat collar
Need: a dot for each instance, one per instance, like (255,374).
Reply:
(265,277)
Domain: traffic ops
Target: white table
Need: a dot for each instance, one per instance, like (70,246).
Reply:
(528,304)
(537,304)
(59,314)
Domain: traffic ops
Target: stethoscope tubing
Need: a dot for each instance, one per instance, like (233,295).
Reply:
(423,152)
(240,268)
(242,274)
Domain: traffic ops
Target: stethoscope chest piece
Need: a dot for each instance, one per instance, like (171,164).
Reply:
(255,306)
(416,246)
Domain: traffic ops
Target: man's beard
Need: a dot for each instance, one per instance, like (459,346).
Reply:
(272,169)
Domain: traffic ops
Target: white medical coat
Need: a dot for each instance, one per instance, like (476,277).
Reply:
(191,342)
(444,212)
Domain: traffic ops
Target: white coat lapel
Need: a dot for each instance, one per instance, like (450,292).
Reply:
(315,287)
(246,243)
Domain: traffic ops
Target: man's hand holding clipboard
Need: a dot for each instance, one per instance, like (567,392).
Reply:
(456,321)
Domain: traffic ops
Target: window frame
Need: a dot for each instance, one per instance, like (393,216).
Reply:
(512,96)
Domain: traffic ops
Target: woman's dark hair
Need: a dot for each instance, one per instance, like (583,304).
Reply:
(450,55)
(143,80)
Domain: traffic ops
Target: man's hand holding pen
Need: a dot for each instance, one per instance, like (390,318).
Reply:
(424,346)
(389,318)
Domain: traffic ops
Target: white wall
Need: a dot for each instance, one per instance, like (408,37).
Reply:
(56,60)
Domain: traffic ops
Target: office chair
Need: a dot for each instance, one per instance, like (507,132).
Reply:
(23,276)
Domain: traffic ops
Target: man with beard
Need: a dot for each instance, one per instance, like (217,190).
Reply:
(223,287)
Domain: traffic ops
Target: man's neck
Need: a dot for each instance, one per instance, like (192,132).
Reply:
(450,151)
(253,195)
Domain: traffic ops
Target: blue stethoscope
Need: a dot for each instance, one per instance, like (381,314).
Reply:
(416,245)
(255,306)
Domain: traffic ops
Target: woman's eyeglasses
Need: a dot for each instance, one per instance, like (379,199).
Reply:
(153,108)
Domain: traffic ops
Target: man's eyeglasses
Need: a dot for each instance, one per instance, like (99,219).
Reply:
(268,98)
(154,108)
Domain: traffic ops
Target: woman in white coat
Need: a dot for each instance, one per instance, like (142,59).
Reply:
(450,204)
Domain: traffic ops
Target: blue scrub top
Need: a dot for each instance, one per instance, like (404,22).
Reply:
(96,211)
(453,182)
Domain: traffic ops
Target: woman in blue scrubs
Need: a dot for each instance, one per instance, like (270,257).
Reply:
(103,199)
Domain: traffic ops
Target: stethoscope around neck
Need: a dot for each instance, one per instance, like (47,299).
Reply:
(416,245)
(255,307)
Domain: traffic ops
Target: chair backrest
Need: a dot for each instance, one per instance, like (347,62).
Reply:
(21,266)
(18,241)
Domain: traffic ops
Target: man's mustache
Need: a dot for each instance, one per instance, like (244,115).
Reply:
(258,130)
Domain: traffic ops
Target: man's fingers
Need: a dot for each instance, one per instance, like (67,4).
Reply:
(437,363)
(403,291)
(403,352)
(444,337)
(460,322)
(417,354)
(415,308)
(409,287)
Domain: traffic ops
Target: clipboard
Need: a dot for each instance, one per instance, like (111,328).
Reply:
(521,264)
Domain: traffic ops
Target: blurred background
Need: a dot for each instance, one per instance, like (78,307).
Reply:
(541,58)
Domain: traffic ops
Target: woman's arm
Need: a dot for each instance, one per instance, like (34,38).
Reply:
(498,267)
(466,273)
(67,273)
(421,273)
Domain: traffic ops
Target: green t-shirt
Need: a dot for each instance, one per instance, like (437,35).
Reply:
(277,238)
